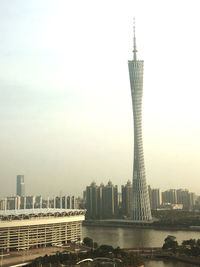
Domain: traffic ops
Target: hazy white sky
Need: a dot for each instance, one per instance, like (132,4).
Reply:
(65,102)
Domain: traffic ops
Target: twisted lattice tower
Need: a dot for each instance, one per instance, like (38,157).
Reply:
(140,210)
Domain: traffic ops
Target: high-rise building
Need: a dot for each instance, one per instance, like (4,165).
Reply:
(20,185)
(73,202)
(92,201)
(38,203)
(192,200)
(140,199)
(126,199)
(180,197)
(30,202)
(156,198)
(102,201)
(183,197)
(68,202)
(169,196)
(110,200)
(12,203)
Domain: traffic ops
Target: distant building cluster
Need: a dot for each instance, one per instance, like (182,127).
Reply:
(105,202)
(35,202)
(101,201)
(172,199)
(32,221)
(22,201)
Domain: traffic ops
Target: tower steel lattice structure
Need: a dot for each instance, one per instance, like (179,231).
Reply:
(140,210)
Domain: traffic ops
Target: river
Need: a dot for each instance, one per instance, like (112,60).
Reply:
(130,238)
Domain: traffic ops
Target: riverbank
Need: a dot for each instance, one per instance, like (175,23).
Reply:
(134,224)
(132,237)
(180,258)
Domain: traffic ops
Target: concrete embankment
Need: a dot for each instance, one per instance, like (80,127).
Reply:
(133,224)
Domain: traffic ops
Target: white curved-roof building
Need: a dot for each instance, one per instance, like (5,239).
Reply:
(25,229)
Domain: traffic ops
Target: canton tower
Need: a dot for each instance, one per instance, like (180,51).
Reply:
(140,210)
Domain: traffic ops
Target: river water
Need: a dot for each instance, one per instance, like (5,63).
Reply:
(130,238)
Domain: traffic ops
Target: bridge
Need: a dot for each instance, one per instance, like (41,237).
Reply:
(145,250)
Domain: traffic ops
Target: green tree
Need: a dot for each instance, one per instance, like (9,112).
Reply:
(190,243)
(88,242)
(170,243)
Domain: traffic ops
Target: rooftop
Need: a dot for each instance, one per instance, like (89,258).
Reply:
(29,213)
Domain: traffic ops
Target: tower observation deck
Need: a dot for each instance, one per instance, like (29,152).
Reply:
(140,210)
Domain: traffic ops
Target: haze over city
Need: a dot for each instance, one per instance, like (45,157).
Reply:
(66,112)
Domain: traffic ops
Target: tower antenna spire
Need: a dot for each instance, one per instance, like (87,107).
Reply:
(134,41)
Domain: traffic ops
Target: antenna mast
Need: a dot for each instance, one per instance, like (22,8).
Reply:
(134,42)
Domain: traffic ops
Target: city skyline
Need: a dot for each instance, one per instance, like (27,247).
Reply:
(108,201)
(63,193)
(65,100)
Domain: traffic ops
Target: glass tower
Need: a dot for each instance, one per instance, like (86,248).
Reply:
(20,185)
(140,210)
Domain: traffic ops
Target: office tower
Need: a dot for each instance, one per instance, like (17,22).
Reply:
(156,198)
(126,199)
(20,185)
(140,198)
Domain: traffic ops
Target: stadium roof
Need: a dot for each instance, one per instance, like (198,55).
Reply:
(28,213)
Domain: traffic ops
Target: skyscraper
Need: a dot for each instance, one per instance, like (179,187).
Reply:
(140,198)
(20,185)
(110,200)
(92,201)
(126,199)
